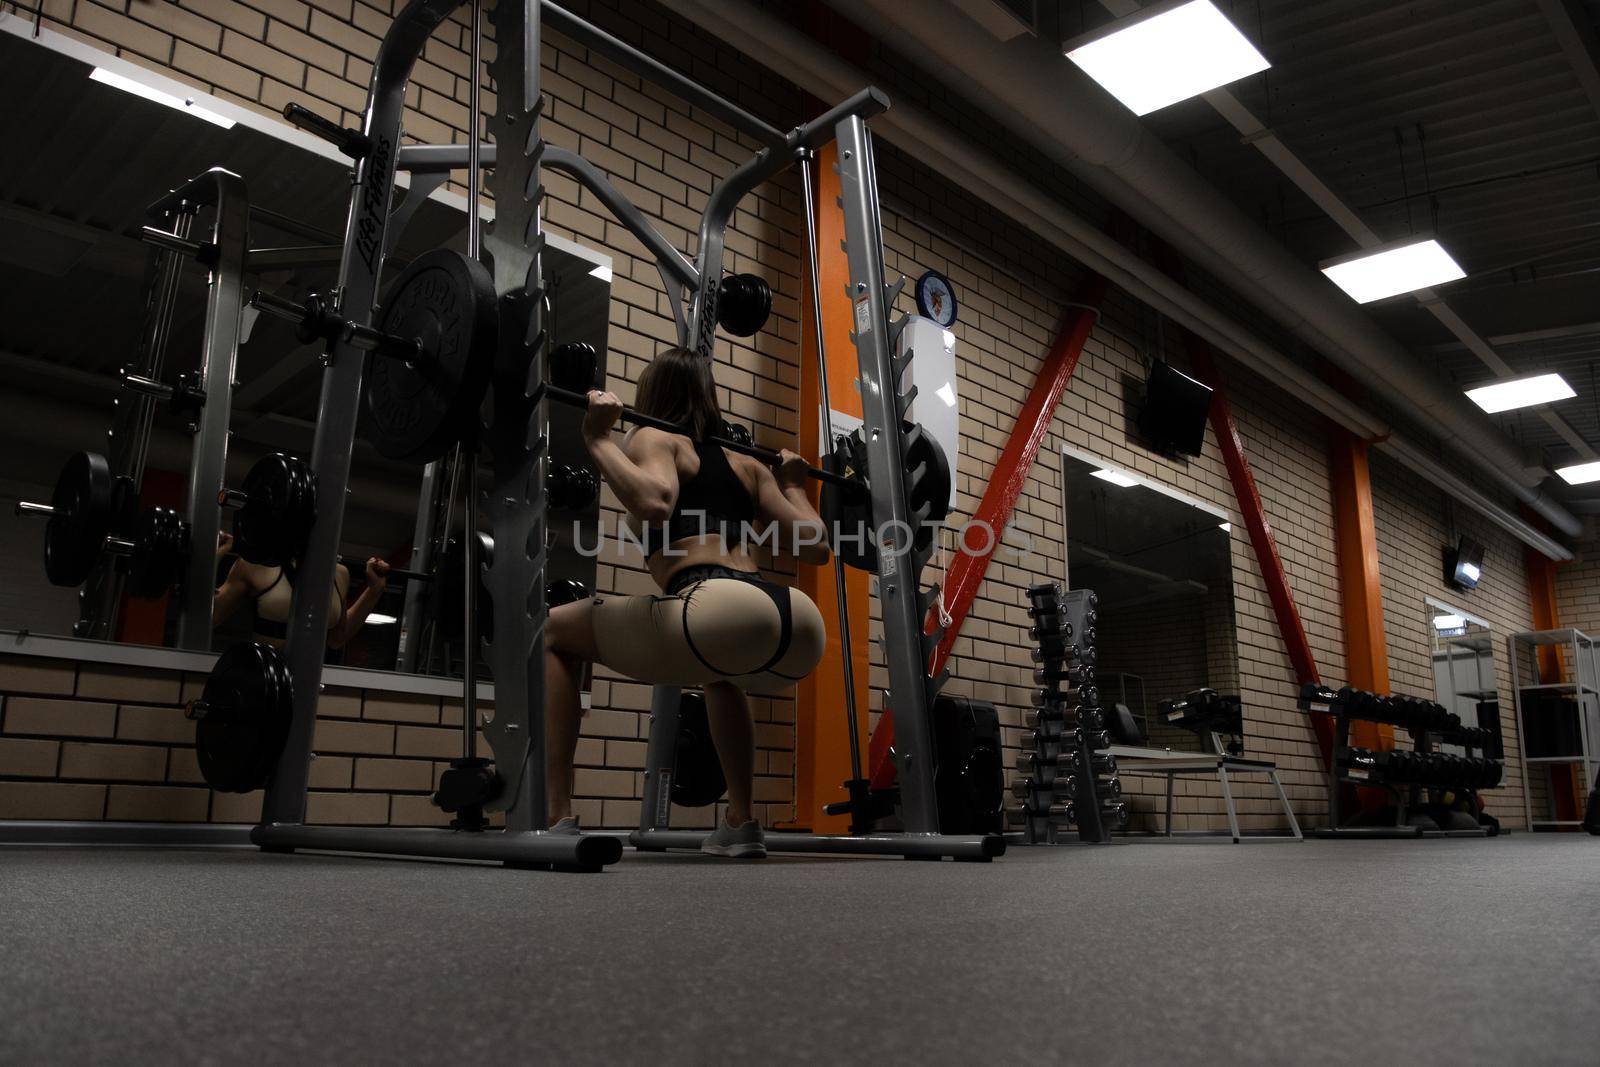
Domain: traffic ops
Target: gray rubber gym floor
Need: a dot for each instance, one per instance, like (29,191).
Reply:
(1438,952)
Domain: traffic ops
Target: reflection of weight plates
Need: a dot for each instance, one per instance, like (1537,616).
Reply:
(417,411)
(573,366)
(160,553)
(81,519)
(280,507)
(244,714)
(697,778)
(936,299)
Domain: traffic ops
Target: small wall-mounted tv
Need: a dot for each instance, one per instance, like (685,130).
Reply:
(1464,564)
(1173,419)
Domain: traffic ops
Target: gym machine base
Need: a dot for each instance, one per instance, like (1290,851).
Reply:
(973,847)
(533,849)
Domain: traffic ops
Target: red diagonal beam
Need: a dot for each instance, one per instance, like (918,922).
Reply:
(966,572)
(1261,538)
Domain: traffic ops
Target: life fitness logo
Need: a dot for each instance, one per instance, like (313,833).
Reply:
(374,198)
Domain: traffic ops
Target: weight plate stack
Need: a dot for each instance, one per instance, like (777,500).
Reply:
(417,411)
(160,553)
(280,508)
(76,533)
(248,706)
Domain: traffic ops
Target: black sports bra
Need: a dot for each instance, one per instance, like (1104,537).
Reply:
(713,501)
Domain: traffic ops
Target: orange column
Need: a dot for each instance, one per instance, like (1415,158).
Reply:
(1360,591)
(821,735)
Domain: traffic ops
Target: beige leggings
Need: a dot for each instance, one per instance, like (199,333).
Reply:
(714,624)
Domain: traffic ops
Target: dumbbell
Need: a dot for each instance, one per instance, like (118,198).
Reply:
(1030,763)
(1093,739)
(1113,812)
(1034,720)
(1107,786)
(1060,813)
(1100,763)
(1058,630)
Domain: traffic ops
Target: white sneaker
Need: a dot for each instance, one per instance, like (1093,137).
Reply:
(569,825)
(736,842)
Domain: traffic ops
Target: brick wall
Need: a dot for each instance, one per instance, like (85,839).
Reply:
(1578,582)
(1013,288)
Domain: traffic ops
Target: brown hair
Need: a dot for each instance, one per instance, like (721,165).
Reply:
(677,386)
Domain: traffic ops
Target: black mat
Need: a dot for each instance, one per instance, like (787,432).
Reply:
(1324,952)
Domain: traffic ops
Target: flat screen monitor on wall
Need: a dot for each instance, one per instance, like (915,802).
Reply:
(1173,419)
(1465,563)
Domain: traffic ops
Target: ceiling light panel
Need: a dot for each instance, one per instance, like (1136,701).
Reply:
(1165,54)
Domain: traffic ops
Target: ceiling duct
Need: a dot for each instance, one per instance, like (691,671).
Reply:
(1027,85)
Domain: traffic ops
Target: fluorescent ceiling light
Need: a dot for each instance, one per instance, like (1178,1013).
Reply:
(1158,57)
(381,620)
(1471,571)
(1521,392)
(1116,478)
(1375,273)
(1580,473)
(1226,527)
(1449,622)
(602,272)
(178,103)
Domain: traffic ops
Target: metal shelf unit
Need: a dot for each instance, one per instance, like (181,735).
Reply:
(1584,664)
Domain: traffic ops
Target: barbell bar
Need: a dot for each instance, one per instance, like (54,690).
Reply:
(571,398)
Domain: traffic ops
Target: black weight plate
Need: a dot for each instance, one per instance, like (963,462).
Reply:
(416,413)
(449,607)
(249,706)
(76,533)
(573,366)
(927,479)
(697,778)
(160,553)
(280,507)
(743,303)
(849,511)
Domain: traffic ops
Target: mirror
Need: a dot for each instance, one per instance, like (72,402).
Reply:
(1462,647)
(72,312)
(1162,568)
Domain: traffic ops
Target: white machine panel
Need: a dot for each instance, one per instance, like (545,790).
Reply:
(933,372)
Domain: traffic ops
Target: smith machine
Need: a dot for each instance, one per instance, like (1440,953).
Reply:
(458,355)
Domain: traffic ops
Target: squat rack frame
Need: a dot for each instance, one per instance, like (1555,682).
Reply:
(516,434)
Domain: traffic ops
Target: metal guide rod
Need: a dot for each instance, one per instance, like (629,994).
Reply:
(469,603)
(208,456)
(807,157)
(899,592)
(422,541)
(474,141)
(645,66)
(333,445)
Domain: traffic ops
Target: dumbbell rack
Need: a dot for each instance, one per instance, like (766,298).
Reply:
(1404,775)
(1068,777)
